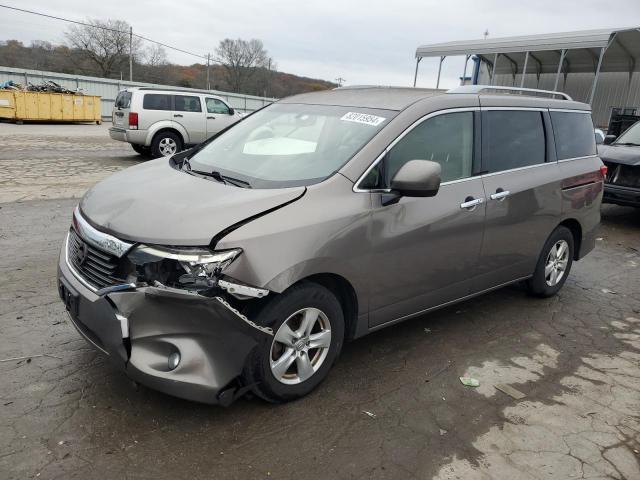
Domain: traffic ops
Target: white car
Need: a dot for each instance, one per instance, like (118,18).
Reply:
(161,122)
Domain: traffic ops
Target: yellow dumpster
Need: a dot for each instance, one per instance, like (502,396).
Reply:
(21,106)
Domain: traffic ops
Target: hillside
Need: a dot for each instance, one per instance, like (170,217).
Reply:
(59,58)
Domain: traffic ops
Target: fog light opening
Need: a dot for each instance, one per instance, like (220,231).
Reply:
(173,360)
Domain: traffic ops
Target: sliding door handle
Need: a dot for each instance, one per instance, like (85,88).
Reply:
(471,203)
(500,195)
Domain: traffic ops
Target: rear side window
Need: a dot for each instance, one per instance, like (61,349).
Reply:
(512,139)
(156,101)
(123,100)
(574,134)
(187,104)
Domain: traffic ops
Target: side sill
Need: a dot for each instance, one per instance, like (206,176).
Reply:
(446,304)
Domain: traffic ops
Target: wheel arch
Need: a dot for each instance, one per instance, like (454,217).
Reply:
(576,230)
(344,292)
(167,126)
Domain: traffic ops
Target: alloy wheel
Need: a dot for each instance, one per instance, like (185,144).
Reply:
(300,346)
(557,261)
(167,146)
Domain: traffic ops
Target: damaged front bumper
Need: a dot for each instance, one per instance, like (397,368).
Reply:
(178,342)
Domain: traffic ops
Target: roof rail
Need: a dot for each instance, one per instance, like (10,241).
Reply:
(532,92)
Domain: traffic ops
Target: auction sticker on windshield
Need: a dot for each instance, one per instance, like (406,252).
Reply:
(362,118)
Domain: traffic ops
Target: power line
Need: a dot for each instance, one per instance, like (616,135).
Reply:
(101,27)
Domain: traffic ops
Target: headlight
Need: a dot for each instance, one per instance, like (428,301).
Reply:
(181,267)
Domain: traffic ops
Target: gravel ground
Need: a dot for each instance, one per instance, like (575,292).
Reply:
(392,408)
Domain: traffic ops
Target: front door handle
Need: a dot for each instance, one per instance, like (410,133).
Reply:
(211,118)
(500,194)
(471,203)
(177,115)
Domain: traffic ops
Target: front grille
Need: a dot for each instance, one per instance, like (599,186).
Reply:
(623,175)
(97,267)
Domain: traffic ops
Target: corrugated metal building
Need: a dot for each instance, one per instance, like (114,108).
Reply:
(108,89)
(595,66)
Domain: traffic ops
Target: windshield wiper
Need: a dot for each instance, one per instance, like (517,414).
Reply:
(628,144)
(223,178)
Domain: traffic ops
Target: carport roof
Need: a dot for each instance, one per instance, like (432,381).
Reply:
(583,49)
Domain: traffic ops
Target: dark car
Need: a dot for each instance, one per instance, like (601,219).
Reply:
(622,158)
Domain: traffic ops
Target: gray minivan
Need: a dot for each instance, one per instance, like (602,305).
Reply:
(160,122)
(245,263)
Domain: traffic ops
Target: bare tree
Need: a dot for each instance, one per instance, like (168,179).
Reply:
(104,43)
(155,55)
(240,60)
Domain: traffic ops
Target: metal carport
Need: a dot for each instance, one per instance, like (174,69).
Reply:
(550,60)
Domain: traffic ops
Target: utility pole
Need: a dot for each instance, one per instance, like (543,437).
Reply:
(130,54)
(268,79)
(340,81)
(208,64)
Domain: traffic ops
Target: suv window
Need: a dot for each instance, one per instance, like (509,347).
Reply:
(217,106)
(184,103)
(574,134)
(446,139)
(512,139)
(156,101)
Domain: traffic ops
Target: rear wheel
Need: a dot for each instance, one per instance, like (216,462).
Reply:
(308,326)
(141,149)
(165,144)
(554,264)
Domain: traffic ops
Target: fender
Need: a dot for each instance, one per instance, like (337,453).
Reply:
(156,127)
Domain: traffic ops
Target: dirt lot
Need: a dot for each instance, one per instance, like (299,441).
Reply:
(392,408)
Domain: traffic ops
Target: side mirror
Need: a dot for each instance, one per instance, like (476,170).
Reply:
(608,140)
(417,178)
(232,111)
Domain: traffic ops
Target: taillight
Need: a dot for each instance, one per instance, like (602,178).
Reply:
(603,171)
(133,120)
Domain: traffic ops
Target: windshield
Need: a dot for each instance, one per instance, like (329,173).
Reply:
(631,136)
(287,145)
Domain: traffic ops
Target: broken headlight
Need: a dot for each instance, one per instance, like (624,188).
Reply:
(190,268)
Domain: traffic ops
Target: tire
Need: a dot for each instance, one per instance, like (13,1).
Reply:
(162,143)
(141,149)
(297,380)
(554,265)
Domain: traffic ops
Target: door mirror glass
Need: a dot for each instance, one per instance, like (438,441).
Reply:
(608,140)
(231,111)
(417,178)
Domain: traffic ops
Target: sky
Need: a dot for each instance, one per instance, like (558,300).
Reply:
(364,42)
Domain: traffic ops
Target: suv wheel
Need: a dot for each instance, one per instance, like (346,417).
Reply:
(141,149)
(165,144)
(308,326)
(554,264)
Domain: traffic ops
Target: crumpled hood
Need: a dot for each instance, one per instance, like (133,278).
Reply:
(157,204)
(625,154)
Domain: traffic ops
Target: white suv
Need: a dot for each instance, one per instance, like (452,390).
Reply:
(161,122)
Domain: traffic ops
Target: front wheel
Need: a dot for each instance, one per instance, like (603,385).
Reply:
(165,144)
(554,264)
(308,325)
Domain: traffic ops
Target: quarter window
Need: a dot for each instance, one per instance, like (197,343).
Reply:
(574,134)
(155,101)
(512,139)
(187,104)
(217,106)
(446,139)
